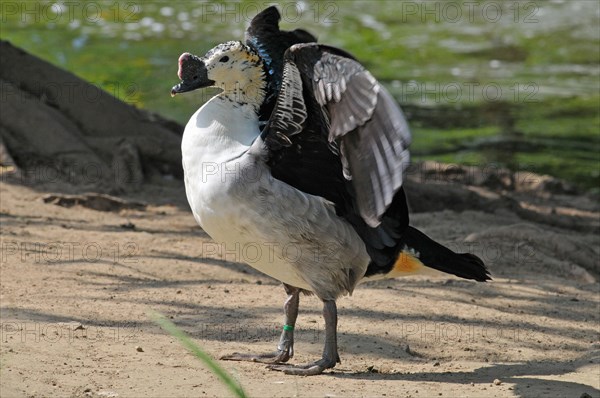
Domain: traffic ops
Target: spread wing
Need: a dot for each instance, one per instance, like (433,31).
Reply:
(329,99)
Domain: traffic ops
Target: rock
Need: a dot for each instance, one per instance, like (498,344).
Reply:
(127,166)
(139,349)
(497,382)
(74,131)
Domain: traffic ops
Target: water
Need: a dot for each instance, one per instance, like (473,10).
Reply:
(515,83)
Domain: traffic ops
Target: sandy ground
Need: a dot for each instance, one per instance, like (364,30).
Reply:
(77,285)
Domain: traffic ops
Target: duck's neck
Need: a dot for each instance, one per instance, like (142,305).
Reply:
(234,120)
(248,89)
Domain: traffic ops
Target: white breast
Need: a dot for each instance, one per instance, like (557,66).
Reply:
(216,171)
(214,138)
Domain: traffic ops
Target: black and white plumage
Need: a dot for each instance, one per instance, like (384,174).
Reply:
(304,149)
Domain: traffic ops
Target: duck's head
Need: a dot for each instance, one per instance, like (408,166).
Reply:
(232,66)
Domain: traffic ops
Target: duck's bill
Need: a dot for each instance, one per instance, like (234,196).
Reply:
(190,85)
(184,87)
(193,74)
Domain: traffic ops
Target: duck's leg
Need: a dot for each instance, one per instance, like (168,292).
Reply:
(330,352)
(285,348)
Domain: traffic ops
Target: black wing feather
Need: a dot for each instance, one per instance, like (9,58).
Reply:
(271,43)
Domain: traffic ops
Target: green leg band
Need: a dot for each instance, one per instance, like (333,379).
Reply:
(288,328)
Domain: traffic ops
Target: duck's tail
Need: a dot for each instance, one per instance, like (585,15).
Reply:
(419,251)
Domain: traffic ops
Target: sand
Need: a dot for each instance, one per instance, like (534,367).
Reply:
(77,285)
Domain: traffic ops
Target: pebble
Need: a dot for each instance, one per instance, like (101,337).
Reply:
(139,349)
(497,382)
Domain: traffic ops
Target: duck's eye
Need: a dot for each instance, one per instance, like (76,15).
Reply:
(224,59)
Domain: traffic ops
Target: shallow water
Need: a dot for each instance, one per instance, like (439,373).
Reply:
(515,83)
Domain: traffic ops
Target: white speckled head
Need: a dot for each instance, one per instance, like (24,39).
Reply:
(233,67)
(236,68)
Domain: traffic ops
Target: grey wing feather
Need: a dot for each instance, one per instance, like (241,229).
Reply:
(347,89)
(372,131)
(377,154)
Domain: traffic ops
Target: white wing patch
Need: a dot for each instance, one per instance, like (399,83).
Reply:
(290,110)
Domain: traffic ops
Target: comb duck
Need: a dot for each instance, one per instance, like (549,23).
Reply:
(300,158)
